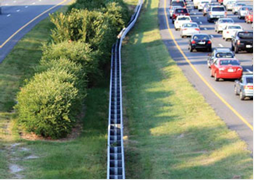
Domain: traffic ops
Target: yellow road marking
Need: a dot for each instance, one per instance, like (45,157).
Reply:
(201,77)
(2,45)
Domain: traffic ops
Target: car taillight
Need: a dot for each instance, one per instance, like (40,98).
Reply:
(248,87)
(193,42)
(184,29)
(176,22)
(184,6)
(190,20)
(187,14)
(239,69)
(227,31)
(209,42)
(222,69)
(174,15)
(226,14)
(210,13)
(238,42)
(197,29)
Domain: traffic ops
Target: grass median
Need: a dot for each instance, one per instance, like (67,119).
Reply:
(171,132)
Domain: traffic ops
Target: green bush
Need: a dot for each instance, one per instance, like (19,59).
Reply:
(46,105)
(77,52)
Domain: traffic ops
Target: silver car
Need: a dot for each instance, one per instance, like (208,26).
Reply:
(236,7)
(243,11)
(207,6)
(230,5)
(171,11)
(216,12)
(188,29)
(202,4)
(222,23)
(244,86)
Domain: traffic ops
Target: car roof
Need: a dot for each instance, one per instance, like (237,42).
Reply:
(222,50)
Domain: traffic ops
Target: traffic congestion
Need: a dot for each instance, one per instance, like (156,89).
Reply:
(227,17)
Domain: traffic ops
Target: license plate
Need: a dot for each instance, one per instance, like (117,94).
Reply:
(230,70)
(201,43)
(248,46)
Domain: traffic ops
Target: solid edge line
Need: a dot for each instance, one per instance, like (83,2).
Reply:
(2,45)
(196,71)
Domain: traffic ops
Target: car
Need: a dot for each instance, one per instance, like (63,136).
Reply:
(188,29)
(244,86)
(216,12)
(196,2)
(202,4)
(242,41)
(207,6)
(200,41)
(219,52)
(230,5)
(222,23)
(175,3)
(237,6)
(249,17)
(179,11)
(243,11)
(181,20)
(226,68)
(230,30)
(220,2)
(225,2)
(171,11)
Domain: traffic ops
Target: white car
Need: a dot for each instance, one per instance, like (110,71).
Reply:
(243,11)
(230,30)
(202,4)
(222,23)
(225,2)
(230,5)
(236,7)
(196,2)
(188,29)
(181,20)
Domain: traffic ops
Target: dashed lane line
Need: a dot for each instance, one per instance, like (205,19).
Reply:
(200,76)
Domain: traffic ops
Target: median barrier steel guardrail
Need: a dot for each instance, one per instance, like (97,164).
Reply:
(115,162)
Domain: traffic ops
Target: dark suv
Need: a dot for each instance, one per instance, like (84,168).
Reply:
(242,41)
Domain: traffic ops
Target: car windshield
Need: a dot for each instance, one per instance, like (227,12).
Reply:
(224,55)
(204,2)
(190,25)
(246,35)
(183,18)
(214,4)
(177,4)
(247,9)
(218,9)
(234,27)
(240,4)
(203,37)
(229,62)
(181,10)
(226,21)
(249,80)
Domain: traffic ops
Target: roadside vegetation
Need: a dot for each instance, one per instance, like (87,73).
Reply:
(171,132)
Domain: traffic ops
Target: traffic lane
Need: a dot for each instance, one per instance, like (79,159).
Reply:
(220,108)
(11,43)
(198,59)
(11,20)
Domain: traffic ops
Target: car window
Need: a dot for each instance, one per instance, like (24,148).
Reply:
(181,10)
(177,4)
(218,9)
(245,35)
(234,27)
(201,37)
(229,62)
(224,55)
(226,21)
(249,80)
(183,18)
(190,25)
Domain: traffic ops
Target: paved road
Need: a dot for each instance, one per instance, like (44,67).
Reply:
(17,14)
(198,60)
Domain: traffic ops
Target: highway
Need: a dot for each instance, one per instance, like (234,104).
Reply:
(19,17)
(237,114)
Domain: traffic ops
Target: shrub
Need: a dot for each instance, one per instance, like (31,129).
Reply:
(46,105)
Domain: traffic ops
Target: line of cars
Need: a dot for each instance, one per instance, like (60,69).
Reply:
(222,61)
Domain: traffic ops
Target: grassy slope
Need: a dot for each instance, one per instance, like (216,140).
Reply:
(172,131)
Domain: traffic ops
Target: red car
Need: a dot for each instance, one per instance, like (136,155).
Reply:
(249,17)
(179,11)
(226,68)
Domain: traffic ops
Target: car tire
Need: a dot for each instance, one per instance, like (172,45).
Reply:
(236,50)
(172,21)
(241,95)
(209,49)
(215,77)
(232,48)
(211,74)
(170,17)
(235,91)
(191,49)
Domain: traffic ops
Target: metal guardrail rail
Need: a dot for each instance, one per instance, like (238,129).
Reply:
(116,163)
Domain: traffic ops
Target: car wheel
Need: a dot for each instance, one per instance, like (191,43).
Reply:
(215,77)
(241,95)
(170,17)
(236,50)
(235,91)
(232,48)
(172,21)
(211,73)
(191,49)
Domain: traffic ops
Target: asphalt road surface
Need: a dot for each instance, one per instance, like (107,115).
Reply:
(237,114)
(19,17)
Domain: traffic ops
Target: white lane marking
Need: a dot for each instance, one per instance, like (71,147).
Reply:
(212,36)
(6,4)
(205,28)
(34,3)
(26,6)
(197,17)
(249,70)
(220,45)
(195,13)
(18,10)
(14,1)
(200,22)
(8,15)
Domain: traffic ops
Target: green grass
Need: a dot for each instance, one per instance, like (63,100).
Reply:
(171,131)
